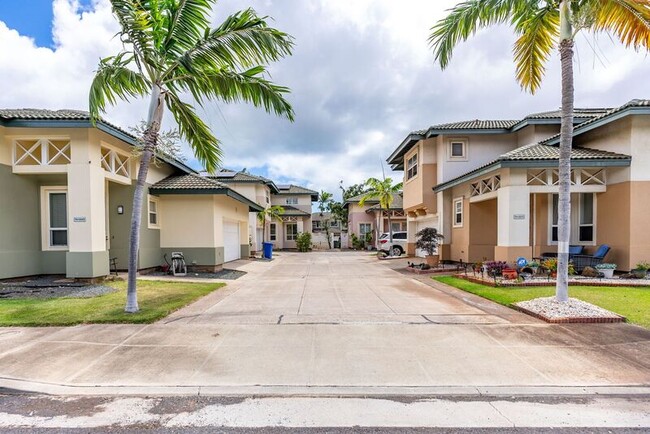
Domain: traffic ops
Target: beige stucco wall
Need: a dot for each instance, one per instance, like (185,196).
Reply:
(418,191)
(187,221)
(228,209)
(459,242)
(483,230)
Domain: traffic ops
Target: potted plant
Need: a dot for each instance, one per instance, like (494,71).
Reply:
(641,270)
(606,269)
(534,266)
(550,264)
(368,240)
(495,268)
(428,240)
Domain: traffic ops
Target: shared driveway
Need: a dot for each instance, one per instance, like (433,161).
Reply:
(331,323)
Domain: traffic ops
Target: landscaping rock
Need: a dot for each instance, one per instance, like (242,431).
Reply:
(590,272)
(573,310)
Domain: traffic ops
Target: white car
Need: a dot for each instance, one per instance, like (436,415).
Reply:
(398,246)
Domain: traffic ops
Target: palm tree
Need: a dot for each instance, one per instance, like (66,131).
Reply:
(170,50)
(384,191)
(324,204)
(540,26)
(274,212)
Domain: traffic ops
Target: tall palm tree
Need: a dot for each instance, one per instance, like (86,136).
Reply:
(541,26)
(324,205)
(169,50)
(274,212)
(383,191)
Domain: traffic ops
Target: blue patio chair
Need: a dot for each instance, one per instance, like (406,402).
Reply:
(573,251)
(582,261)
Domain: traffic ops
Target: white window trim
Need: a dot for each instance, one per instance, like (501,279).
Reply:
(45,217)
(157,202)
(273,236)
(465,156)
(291,201)
(364,233)
(417,165)
(454,213)
(576,206)
(286,231)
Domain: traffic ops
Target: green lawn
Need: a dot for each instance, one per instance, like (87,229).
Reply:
(631,302)
(157,299)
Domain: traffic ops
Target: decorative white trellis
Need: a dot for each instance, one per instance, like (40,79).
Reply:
(579,176)
(486,185)
(289,219)
(41,152)
(115,163)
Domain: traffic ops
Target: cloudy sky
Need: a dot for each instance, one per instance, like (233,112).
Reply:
(361,75)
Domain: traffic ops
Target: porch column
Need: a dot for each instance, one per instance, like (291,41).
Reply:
(513,211)
(300,225)
(87,256)
(444,206)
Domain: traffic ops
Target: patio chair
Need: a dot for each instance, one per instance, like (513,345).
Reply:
(582,261)
(573,251)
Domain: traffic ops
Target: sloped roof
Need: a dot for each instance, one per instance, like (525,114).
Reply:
(609,116)
(398,204)
(292,211)
(397,201)
(75,118)
(196,184)
(231,176)
(296,190)
(487,126)
(538,155)
(188,182)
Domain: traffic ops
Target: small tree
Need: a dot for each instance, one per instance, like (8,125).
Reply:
(303,242)
(324,205)
(271,213)
(428,240)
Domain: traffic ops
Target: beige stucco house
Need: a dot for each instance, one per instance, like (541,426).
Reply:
(491,188)
(297,203)
(67,189)
(255,188)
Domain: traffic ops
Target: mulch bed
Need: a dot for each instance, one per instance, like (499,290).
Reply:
(224,274)
(580,281)
(50,287)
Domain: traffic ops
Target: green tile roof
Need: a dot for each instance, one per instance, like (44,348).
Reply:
(188,182)
(291,211)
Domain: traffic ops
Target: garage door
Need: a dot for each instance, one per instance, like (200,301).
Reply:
(430,223)
(231,248)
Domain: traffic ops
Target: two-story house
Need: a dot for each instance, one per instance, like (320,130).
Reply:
(257,189)
(370,218)
(297,203)
(490,187)
(67,194)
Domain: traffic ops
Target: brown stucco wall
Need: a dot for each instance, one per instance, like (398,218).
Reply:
(613,222)
(483,230)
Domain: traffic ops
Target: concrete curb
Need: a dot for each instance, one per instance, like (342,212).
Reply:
(25,386)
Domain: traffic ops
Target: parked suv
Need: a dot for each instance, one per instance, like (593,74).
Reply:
(398,246)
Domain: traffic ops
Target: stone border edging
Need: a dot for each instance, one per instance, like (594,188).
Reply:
(571,320)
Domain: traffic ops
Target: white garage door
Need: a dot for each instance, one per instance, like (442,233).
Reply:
(430,223)
(231,248)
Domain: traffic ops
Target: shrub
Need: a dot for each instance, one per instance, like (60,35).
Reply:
(303,242)
(643,265)
(428,240)
(494,268)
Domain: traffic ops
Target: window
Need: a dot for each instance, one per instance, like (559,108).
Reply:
(291,201)
(458,149)
(55,218)
(582,216)
(273,232)
(458,212)
(398,226)
(334,224)
(412,166)
(399,236)
(315,225)
(365,228)
(154,220)
(267,197)
(292,231)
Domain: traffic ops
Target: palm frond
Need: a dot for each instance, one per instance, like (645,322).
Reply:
(187,23)
(629,20)
(114,80)
(381,190)
(466,18)
(533,48)
(228,86)
(241,41)
(206,147)
(136,28)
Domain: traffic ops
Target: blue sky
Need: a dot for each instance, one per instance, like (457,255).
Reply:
(32,18)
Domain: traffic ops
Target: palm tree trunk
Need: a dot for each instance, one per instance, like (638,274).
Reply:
(566,137)
(150,139)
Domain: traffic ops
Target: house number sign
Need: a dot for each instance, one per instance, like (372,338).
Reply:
(79,219)
(519,216)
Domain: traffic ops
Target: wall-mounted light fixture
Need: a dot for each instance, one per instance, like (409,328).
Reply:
(120,209)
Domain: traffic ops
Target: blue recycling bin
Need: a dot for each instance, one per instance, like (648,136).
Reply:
(268,250)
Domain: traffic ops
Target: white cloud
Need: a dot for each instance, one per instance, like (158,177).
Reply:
(362,76)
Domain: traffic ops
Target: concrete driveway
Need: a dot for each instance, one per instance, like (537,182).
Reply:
(331,323)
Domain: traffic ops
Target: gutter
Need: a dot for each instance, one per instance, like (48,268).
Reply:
(252,206)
